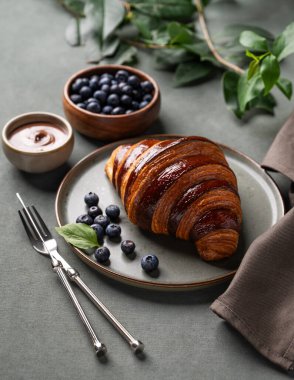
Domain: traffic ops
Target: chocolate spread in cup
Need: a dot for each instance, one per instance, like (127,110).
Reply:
(37,137)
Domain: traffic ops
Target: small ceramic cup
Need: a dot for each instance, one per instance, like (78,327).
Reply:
(43,160)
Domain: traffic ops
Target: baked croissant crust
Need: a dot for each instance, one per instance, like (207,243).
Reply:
(183,187)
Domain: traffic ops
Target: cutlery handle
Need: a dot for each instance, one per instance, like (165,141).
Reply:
(136,345)
(99,347)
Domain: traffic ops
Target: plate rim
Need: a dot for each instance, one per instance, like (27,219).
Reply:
(145,283)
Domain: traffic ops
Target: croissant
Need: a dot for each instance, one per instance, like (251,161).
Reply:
(183,187)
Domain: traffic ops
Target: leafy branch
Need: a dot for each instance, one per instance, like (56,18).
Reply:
(248,57)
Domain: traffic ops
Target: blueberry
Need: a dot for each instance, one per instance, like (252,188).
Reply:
(85,218)
(104,80)
(128,90)
(75,98)
(95,76)
(121,86)
(100,95)
(91,199)
(135,105)
(107,110)
(112,211)
(134,81)
(126,100)
(105,88)
(114,81)
(94,84)
(117,111)
(149,263)
(77,85)
(129,111)
(113,100)
(90,100)
(85,81)
(82,105)
(99,232)
(121,76)
(137,94)
(107,75)
(147,86)
(114,89)
(85,92)
(147,98)
(94,107)
(113,230)
(128,247)
(103,220)
(143,104)
(94,211)
(102,255)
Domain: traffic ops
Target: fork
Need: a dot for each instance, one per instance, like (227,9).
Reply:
(44,243)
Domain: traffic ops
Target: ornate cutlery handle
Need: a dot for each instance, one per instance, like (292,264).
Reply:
(135,344)
(100,348)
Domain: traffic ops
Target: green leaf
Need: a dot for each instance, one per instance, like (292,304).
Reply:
(233,31)
(251,55)
(285,86)
(75,7)
(73,32)
(270,72)
(248,89)
(95,53)
(284,43)
(179,34)
(170,57)
(191,71)
(252,69)
(79,235)
(114,13)
(165,9)
(264,102)
(230,89)
(253,41)
(125,54)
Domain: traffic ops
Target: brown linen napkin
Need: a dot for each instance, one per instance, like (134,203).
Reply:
(259,302)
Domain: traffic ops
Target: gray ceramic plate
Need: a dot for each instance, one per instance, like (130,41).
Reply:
(180,266)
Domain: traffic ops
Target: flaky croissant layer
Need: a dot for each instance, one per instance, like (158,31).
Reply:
(182,187)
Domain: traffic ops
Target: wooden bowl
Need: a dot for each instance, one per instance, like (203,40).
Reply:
(110,127)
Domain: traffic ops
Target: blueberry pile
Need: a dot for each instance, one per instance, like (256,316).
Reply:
(107,225)
(111,94)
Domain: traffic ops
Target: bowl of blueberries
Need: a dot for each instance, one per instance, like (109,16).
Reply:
(110,102)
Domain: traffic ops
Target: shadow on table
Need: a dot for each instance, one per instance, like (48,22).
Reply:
(49,181)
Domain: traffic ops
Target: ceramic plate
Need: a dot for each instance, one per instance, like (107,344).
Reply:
(180,266)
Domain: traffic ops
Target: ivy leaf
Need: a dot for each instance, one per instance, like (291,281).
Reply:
(79,235)
(230,89)
(284,43)
(248,89)
(191,71)
(253,41)
(270,72)
(285,86)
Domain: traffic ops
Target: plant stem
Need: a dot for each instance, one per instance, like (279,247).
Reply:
(201,17)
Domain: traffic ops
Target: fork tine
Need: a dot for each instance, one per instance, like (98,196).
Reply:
(41,221)
(32,222)
(28,231)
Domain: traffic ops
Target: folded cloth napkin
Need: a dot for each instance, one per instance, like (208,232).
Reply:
(259,302)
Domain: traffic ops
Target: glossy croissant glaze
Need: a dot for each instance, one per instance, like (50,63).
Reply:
(182,187)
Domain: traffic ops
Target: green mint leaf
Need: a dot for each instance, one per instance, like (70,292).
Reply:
(253,41)
(284,43)
(190,72)
(270,72)
(230,89)
(79,235)
(285,86)
(248,89)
